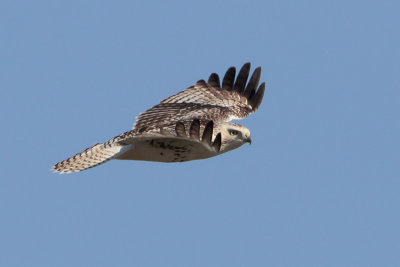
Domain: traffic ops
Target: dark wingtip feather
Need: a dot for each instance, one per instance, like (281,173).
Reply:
(217,142)
(195,129)
(214,80)
(201,82)
(256,99)
(180,129)
(253,83)
(241,79)
(229,78)
(207,134)
(254,96)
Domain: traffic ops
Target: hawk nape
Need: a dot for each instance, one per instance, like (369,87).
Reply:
(193,124)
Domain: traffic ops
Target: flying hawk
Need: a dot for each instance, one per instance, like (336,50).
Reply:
(190,125)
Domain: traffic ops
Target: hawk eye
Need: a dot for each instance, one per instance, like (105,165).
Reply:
(233,132)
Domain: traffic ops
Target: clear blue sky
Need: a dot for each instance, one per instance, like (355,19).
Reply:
(319,186)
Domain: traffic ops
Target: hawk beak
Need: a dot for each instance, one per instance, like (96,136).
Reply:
(248,140)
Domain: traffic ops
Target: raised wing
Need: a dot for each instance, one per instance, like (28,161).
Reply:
(208,101)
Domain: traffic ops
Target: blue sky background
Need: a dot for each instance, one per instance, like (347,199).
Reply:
(320,186)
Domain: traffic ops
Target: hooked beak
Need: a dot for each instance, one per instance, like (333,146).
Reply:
(248,140)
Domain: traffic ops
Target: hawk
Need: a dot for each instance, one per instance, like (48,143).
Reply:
(190,125)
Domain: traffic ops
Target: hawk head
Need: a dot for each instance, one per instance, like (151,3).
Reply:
(233,136)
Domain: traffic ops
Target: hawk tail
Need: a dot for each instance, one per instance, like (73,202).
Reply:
(88,158)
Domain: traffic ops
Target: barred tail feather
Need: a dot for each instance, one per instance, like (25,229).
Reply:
(88,158)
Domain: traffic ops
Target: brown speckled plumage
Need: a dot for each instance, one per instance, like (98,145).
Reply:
(208,101)
(189,125)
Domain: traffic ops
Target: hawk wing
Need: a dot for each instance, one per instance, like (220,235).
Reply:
(178,145)
(208,101)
